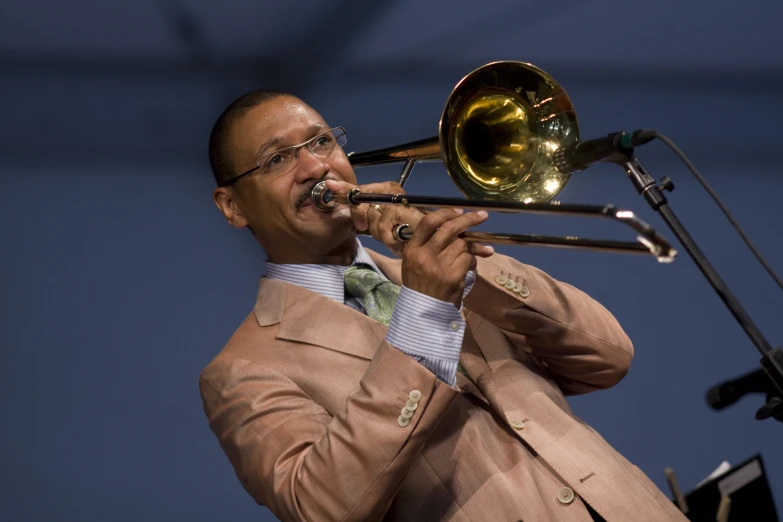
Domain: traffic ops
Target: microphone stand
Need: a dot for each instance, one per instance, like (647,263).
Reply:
(771,358)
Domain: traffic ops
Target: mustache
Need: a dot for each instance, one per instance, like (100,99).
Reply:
(306,193)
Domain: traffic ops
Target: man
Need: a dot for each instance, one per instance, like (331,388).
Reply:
(430,387)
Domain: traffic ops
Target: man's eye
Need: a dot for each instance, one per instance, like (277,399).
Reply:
(324,140)
(274,160)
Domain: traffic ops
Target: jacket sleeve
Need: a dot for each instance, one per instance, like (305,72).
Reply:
(562,328)
(304,464)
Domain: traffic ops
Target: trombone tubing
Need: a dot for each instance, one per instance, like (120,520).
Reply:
(605,245)
(651,241)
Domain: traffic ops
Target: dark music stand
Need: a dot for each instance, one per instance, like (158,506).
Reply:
(744,484)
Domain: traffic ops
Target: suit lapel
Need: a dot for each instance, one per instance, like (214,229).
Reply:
(308,317)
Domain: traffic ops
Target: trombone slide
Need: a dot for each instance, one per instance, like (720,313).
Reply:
(648,240)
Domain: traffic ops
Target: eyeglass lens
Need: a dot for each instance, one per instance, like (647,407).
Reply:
(321,146)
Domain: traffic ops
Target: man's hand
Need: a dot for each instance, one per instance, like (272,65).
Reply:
(435,260)
(379,223)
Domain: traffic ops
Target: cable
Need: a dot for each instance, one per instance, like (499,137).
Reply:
(714,196)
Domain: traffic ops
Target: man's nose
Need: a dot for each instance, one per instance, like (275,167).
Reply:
(310,166)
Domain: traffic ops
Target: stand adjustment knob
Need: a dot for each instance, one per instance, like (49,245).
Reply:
(667,184)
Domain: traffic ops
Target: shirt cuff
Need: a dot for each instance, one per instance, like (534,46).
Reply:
(429,330)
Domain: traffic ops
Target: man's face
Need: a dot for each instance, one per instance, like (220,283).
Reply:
(277,206)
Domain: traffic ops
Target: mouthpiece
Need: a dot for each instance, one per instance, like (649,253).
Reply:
(323,198)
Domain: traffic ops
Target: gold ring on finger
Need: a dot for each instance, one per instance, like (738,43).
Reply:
(378,208)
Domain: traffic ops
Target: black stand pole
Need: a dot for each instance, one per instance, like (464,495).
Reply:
(771,359)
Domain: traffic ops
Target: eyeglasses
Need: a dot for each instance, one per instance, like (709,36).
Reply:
(282,161)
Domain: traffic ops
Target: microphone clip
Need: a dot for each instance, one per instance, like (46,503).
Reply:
(616,147)
(772,363)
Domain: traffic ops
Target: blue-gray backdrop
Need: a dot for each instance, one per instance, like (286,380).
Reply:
(120,281)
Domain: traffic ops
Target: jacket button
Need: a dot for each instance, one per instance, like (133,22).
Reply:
(517,424)
(501,279)
(565,495)
(522,290)
(402,421)
(415,396)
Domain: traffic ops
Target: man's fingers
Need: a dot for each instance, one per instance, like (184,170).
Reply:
(450,254)
(479,250)
(360,218)
(449,231)
(374,216)
(460,246)
(430,224)
(362,215)
(339,187)
(336,186)
(464,263)
(386,221)
(387,187)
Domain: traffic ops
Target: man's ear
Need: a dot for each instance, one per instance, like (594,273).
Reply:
(227,204)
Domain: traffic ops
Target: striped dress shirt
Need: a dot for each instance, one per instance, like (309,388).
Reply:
(425,328)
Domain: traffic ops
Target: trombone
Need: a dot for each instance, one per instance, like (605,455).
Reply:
(499,138)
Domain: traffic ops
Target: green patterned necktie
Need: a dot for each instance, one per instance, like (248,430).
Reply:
(378,294)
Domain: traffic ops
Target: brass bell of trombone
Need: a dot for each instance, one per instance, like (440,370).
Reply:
(499,130)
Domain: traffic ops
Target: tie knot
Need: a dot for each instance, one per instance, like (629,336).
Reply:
(378,294)
(361,279)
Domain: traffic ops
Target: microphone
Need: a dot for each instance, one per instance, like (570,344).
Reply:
(582,154)
(728,392)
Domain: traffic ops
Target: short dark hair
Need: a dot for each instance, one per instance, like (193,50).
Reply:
(220,152)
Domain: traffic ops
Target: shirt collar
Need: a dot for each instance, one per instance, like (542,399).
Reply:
(327,280)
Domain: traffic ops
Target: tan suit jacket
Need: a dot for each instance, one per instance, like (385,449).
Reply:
(305,400)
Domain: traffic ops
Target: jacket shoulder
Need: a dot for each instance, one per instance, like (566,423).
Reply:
(243,339)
